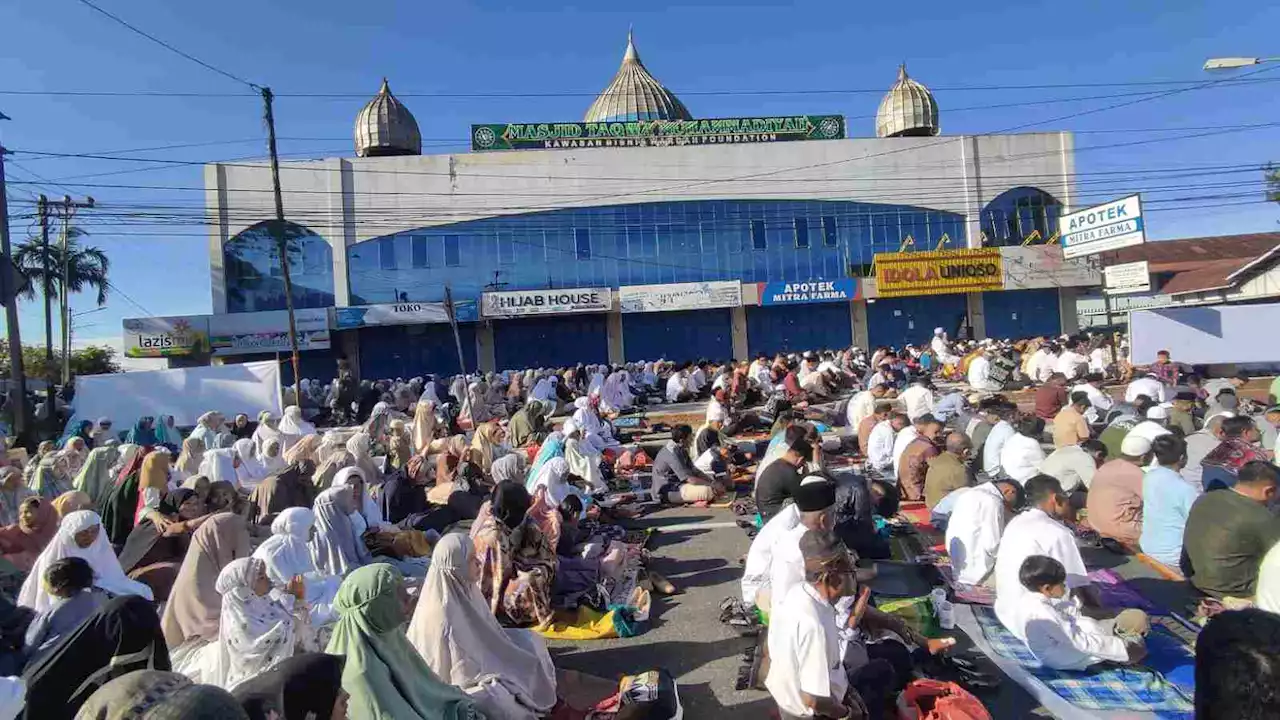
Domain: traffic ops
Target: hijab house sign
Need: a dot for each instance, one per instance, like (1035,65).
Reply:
(1110,226)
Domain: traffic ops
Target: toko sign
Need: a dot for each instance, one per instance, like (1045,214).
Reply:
(545,302)
(1111,226)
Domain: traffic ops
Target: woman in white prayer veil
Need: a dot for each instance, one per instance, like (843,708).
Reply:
(250,472)
(266,430)
(615,396)
(583,459)
(507,672)
(458,388)
(256,629)
(597,380)
(220,465)
(360,446)
(207,428)
(287,554)
(272,456)
(423,429)
(292,427)
(80,534)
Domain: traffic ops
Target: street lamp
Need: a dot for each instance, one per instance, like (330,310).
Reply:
(1232,63)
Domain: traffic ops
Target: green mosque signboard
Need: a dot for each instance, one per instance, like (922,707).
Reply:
(655,133)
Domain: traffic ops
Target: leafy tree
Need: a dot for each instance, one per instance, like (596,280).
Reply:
(89,360)
(1272,172)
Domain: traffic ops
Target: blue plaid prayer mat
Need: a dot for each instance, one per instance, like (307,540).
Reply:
(1108,687)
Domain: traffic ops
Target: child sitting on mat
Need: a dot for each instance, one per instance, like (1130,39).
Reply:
(1060,636)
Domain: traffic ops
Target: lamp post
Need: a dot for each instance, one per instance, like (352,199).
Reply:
(1233,63)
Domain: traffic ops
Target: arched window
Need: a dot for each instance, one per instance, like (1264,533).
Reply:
(1015,214)
(255,277)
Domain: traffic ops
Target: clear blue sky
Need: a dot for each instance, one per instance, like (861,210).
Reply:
(324,46)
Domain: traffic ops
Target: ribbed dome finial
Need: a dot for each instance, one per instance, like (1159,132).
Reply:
(634,94)
(907,110)
(385,127)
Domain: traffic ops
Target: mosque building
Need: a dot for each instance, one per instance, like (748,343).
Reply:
(643,231)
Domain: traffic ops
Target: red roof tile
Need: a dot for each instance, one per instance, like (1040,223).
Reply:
(1198,264)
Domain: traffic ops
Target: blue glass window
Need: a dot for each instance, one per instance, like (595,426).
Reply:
(387,253)
(452,253)
(418,251)
(582,243)
(758,240)
(255,276)
(802,233)
(829,236)
(506,248)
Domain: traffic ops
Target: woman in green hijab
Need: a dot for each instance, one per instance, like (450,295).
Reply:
(386,678)
(528,425)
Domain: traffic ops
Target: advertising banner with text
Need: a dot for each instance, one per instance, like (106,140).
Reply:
(516,303)
(655,133)
(938,272)
(166,336)
(408,313)
(268,332)
(808,291)
(680,296)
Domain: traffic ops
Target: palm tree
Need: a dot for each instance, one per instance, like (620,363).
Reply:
(86,267)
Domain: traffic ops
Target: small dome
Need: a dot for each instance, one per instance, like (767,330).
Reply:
(634,94)
(385,127)
(907,110)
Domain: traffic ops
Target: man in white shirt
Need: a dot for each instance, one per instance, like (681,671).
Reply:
(1148,385)
(1047,366)
(941,349)
(980,373)
(678,386)
(996,439)
(863,405)
(880,446)
(1038,531)
(1099,402)
(973,530)
(918,398)
(1071,363)
(698,377)
(1154,426)
(1074,465)
(900,443)
(1063,638)
(806,662)
(1021,454)
(755,574)
(1038,360)
(815,501)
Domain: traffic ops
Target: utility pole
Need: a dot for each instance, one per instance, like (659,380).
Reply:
(281,242)
(42,209)
(68,210)
(18,393)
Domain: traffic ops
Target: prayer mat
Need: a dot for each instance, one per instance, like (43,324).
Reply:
(916,612)
(904,580)
(581,624)
(1118,593)
(1106,687)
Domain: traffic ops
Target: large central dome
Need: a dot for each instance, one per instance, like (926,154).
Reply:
(634,94)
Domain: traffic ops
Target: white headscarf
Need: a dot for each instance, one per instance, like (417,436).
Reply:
(368,516)
(251,471)
(264,431)
(255,632)
(359,445)
(551,476)
(107,573)
(286,552)
(219,465)
(507,672)
(272,456)
(545,390)
(293,427)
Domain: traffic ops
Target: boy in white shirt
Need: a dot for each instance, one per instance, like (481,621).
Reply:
(1059,635)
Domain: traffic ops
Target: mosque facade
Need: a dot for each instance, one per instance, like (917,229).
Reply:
(646,231)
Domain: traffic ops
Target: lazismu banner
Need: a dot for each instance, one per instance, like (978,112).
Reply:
(517,303)
(939,272)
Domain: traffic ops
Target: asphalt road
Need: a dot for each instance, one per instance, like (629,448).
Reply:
(699,554)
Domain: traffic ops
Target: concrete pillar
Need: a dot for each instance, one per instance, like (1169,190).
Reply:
(1067,312)
(613,327)
(858,319)
(485,354)
(215,194)
(342,229)
(977,315)
(738,318)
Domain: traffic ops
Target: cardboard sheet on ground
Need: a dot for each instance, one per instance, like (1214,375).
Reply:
(185,393)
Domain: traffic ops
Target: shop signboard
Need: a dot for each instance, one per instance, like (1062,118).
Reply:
(158,337)
(517,303)
(655,133)
(939,272)
(1134,277)
(268,332)
(680,296)
(1043,266)
(405,313)
(808,291)
(1110,226)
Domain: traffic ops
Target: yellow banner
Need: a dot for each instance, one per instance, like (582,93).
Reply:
(938,272)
